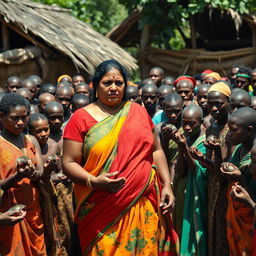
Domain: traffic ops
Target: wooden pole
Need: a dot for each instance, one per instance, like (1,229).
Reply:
(144,42)
(5,37)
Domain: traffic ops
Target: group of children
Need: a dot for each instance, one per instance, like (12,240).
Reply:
(205,124)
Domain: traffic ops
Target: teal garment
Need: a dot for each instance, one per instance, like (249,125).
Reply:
(159,117)
(194,225)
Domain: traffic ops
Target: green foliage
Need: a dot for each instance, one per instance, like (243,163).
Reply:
(101,14)
(165,16)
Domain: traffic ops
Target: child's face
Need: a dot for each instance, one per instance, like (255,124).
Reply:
(238,133)
(16,120)
(41,131)
(55,118)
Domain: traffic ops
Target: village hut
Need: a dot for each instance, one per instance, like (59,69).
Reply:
(48,41)
(218,40)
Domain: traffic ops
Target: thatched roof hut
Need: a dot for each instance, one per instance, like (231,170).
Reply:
(59,42)
(218,40)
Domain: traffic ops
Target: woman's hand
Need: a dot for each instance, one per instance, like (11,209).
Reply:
(105,182)
(11,218)
(196,153)
(230,172)
(238,193)
(167,200)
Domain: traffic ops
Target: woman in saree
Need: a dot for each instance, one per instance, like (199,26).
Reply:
(122,200)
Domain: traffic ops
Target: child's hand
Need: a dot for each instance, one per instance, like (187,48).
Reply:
(238,193)
(230,171)
(196,154)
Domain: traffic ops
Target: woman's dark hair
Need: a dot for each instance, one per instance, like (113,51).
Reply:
(11,100)
(104,68)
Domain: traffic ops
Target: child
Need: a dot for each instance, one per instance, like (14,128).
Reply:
(55,115)
(191,185)
(79,101)
(242,129)
(39,127)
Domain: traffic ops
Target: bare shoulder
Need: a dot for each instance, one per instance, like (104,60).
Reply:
(33,139)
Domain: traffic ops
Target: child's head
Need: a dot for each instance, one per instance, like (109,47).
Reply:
(192,118)
(173,105)
(162,91)
(78,79)
(25,93)
(13,83)
(239,99)
(31,86)
(242,125)
(39,127)
(64,96)
(14,113)
(79,101)
(43,100)
(55,115)
(82,88)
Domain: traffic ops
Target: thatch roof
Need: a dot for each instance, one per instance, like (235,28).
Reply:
(53,28)
(127,33)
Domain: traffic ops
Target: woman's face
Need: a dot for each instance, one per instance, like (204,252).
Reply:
(111,88)
(16,120)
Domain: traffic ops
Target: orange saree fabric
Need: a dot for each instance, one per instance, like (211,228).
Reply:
(240,216)
(25,238)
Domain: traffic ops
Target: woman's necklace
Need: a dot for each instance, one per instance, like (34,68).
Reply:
(100,105)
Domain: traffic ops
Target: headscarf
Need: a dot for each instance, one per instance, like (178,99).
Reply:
(192,80)
(222,88)
(214,75)
(62,76)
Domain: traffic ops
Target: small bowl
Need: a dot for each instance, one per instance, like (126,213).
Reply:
(17,207)
(53,157)
(212,138)
(22,160)
(171,127)
(228,167)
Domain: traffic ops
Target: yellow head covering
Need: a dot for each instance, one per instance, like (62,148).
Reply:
(213,74)
(60,77)
(222,88)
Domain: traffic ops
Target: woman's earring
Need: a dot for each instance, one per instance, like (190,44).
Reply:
(96,94)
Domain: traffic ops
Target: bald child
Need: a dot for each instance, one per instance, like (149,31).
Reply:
(55,115)
(239,99)
(43,100)
(185,89)
(190,216)
(31,86)
(173,105)
(25,93)
(79,101)
(132,94)
(157,75)
(82,88)
(201,98)
(149,98)
(64,97)
(242,127)
(13,84)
